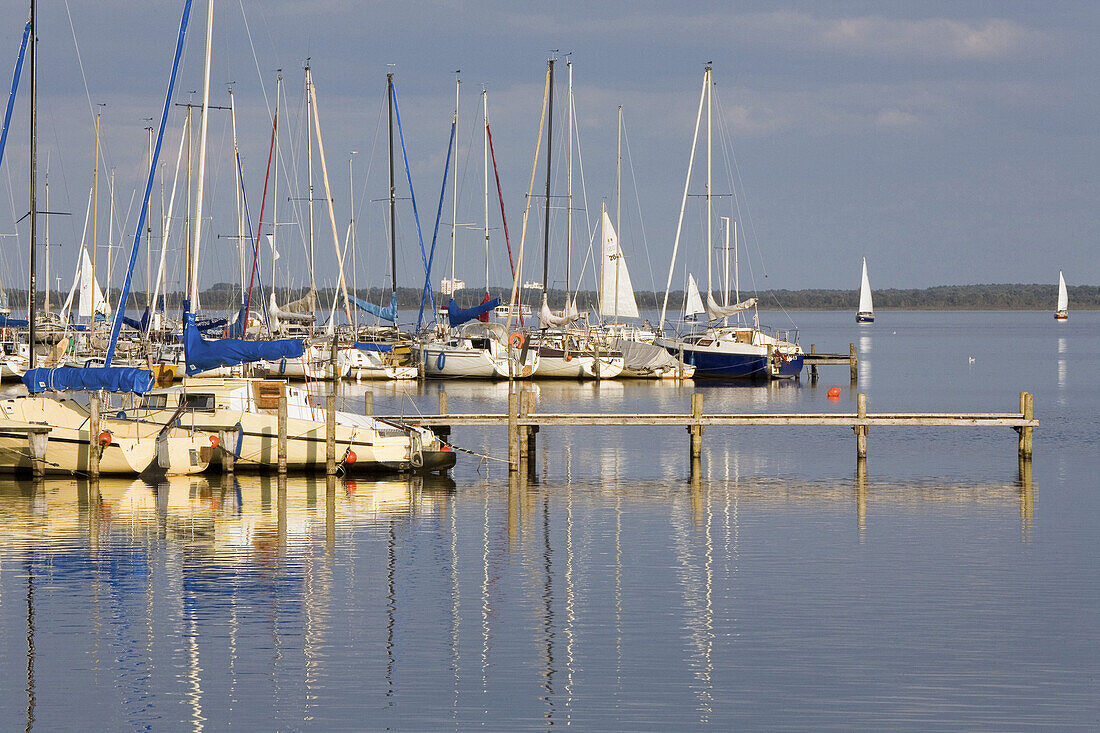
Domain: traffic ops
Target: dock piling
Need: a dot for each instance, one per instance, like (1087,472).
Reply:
(330,432)
(695,430)
(853,363)
(227,440)
(36,443)
(95,450)
(282,432)
(513,431)
(368,403)
(861,430)
(813,366)
(530,430)
(1027,411)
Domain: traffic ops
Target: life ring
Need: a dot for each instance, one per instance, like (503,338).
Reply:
(517,340)
(440,361)
(416,450)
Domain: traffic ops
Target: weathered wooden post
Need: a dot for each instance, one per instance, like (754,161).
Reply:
(524,433)
(94,448)
(282,432)
(813,367)
(680,364)
(853,363)
(1027,412)
(368,403)
(532,430)
(330,432)
(513,431)
(695,430)
(37,440)
(861,430)
(330,514)
(442,402)
(227,439)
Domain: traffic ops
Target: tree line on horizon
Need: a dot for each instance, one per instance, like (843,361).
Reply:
(1016,296)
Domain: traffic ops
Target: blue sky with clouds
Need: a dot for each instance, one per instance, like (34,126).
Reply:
(950,143)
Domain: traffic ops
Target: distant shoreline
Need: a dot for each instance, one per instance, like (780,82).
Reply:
(994,297)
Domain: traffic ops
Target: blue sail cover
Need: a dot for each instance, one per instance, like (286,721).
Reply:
(236,328)
(389,313)
(457,316)
(201,355)
(142,325)
(369,346)
(6,322)
(112,379)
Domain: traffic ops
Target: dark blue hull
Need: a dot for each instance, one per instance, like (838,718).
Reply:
(713,365)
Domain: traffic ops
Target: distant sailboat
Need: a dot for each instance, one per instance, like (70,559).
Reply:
(1062,312)
(866,313)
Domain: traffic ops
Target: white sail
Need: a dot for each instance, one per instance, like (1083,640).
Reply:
(865,304)
(293,311)
(549,318)
(616,292)
(694,302)
(89,290)
(714,310)
(1063,295)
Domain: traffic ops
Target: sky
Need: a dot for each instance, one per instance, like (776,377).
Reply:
(947,142)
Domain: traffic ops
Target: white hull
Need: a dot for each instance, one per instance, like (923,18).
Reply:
(578,366)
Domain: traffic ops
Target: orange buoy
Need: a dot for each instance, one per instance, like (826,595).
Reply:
(351,457)
(104,438)
(834,393)
(517,340)
(215,441)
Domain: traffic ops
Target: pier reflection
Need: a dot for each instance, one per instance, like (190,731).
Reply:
(258,587)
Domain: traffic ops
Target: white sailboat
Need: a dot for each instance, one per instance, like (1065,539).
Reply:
(1061,313)
(866,312)
(739,351)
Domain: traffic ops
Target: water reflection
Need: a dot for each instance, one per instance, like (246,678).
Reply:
(221,594)
(865,349)
(1062,370)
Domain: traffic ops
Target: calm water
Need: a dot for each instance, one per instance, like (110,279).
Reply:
(943,590)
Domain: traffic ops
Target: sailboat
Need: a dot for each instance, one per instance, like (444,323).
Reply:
(470,346)
(740,350)
(866,313)
(565,351)
(1061,313)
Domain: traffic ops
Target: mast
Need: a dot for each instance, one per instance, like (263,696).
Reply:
(454,189)
(351,233)
(95,214)
(549,146)
(485,166)
(618,203)
(47,185)
(736,275)
(194,284)
(710,240)
(237,189)
(726,273)
(110,243)
(149,230)
(187,233)
(275,184)
(32,284)
(393,192)
(309,173)
(568,187)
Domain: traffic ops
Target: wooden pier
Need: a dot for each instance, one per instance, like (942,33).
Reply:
(813,360)
(523,422)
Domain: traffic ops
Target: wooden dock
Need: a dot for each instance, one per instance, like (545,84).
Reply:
(523,422)
(813,360)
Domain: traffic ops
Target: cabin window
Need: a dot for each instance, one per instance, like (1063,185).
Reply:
(154,401)
(203,402)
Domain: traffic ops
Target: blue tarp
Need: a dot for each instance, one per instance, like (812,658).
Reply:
(142,325)
(365,346)
(457,316)
(389,313)
(236,328)
(201,355)
(6,322)
(112,379)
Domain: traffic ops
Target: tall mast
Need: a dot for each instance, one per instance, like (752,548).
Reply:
(351,232)
(187,233)
(194,284)
(485,166)
(47,186)
(110,242)
(710,240)
(32,284)
(568,185)
(149,231)
(726,274)
(618,203)
(95,213)
(549,145)
(736,278)
(454,188)
(275,183)
(309,174)
(237,189)
(393,192)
